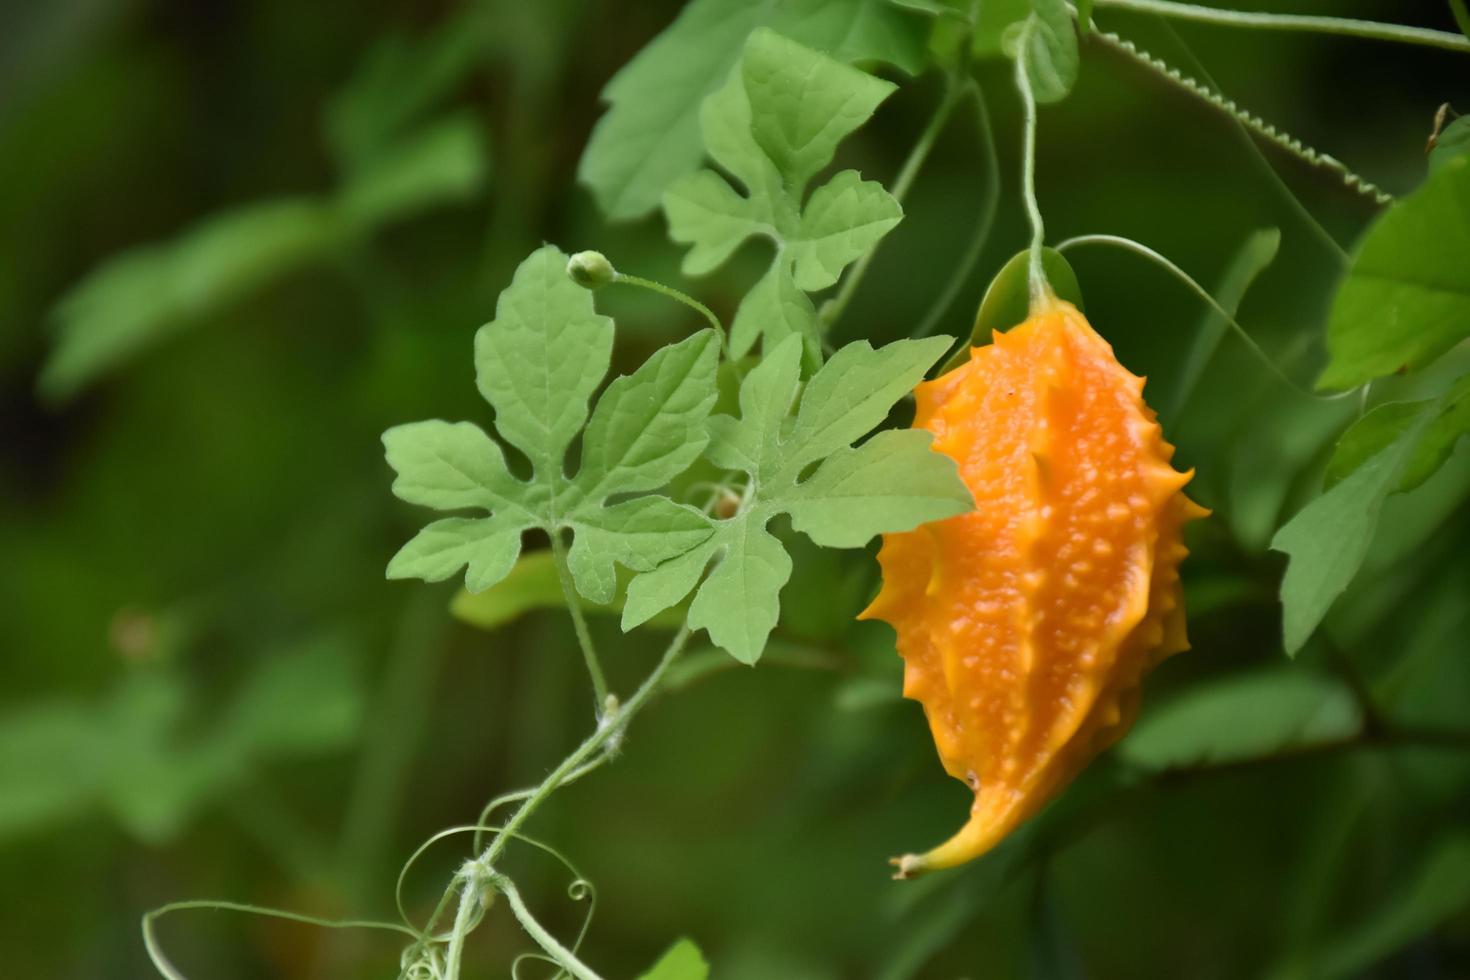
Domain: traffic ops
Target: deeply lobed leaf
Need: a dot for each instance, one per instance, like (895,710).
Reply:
(538,364)
(650,135)
(892,482)
(773,126)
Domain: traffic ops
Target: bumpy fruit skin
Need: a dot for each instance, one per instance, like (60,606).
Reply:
(1027,625)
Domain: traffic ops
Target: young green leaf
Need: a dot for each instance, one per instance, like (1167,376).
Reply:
(682,961)
(892,482)
(1327,539)
(1048,45)
(777,122)
(650,136)
(537,364)
(1406,298)
(1449,419)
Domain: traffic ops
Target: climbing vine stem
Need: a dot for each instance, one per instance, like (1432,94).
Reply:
(479,874)
(1343,26)
(1036,275)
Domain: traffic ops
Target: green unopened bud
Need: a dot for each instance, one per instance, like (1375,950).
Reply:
(591,270)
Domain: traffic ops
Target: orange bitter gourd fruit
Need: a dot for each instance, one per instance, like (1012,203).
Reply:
(1027,624)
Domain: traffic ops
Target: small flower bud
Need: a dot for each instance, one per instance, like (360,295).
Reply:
(591,270)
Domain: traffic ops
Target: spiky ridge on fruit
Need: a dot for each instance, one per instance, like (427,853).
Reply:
(1027,625)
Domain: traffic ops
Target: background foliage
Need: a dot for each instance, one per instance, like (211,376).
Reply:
(244,239)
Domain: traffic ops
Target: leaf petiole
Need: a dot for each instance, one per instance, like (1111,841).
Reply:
(579,623)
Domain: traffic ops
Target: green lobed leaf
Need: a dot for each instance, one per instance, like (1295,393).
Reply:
(537,364)
(1448,420)
(650,136)
(775,123)
(893,482)
(539,361)
(1406,298)
(682,961)
(1327,539)
(1242,717)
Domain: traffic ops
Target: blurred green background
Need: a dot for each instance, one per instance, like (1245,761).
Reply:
(209,690)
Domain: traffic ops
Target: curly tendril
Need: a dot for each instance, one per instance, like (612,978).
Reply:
(1249,120)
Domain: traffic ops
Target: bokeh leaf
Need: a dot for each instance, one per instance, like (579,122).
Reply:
(52,757)
(1242,717)
(1438,888)
(682,961)
(139,298)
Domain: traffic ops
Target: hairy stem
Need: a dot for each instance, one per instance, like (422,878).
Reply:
(579,622)
(678,296)
(564,957)
(471,907)
(1036,275)
(1343,26)
(953,92)
(470,881)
